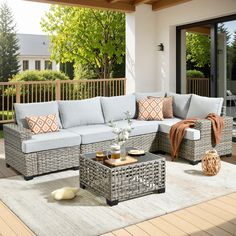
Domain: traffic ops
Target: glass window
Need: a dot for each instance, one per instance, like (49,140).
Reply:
(48,65)
(37,65)
(25,64)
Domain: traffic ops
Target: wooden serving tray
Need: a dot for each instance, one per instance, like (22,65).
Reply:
(129,160)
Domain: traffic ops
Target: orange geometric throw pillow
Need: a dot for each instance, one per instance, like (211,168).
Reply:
(42,124)
(150,109)
(167,106)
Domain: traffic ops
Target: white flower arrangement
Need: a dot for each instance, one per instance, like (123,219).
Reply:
(122,133)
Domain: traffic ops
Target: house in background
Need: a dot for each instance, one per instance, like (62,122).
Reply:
(35,53)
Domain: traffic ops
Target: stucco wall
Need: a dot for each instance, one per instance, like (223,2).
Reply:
(153,70)
(141,50)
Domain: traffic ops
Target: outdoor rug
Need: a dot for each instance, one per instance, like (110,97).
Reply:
(88,214)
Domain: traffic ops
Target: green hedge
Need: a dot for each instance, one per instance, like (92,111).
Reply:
(35,75)
(194,74)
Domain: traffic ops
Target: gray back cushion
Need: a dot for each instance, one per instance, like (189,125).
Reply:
(35,109)
(114,108)
(200,106)
(180,104)
(80,112)
(151,94)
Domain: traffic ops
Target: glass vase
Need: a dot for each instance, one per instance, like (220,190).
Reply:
(123,152)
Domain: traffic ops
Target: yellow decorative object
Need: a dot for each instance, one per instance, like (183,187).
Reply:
(211,163)
(65,193)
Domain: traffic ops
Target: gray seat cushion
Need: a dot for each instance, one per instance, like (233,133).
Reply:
(201,106)
(141,126)
(180,104)
(99,133)
(35,109)
(47,141)
(151,94)
(81,112)
(191,134)
(93,133)
(114,108)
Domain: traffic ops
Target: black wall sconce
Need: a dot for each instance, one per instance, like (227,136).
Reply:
(160,47)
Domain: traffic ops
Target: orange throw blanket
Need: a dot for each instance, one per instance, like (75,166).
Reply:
(217,126)
(178,130)
(177,133)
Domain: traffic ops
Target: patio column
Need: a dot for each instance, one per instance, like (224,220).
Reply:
(141,50)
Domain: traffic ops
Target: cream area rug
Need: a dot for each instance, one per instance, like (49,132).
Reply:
(88,214)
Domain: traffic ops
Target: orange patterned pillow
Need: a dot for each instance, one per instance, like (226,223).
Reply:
(167,106)
(42,124)
(150,109)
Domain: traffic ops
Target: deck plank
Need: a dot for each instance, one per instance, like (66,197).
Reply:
(135,231)
(121,232)
(5,229)
(232,195)
(108,234)
(184,225)
(166,227)
(221,213)
(213,219)
(202,224)
(228,200)
(151,229)
(13,222)
(224,206)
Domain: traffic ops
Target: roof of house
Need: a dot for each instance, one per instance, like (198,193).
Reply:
(34,45)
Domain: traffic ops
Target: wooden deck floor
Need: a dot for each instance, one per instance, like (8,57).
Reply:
(216,217)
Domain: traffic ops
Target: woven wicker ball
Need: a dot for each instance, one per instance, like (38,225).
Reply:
(211,163)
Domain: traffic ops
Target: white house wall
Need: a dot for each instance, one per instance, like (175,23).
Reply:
(141,49)
(153,70)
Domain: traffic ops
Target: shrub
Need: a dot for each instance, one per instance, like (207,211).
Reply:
(35,75)
(194,74)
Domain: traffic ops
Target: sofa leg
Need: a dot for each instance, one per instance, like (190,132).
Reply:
(229,155)
(194,162)
(7,165)
(75,168)
(161,152)
(161,190)
(82,186)
(27,178)
(112,203)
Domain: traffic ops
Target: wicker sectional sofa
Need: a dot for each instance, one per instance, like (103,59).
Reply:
(84,129)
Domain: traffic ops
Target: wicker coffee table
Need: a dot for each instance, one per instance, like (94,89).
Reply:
(116,184)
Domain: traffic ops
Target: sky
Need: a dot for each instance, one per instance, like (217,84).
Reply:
(27,15)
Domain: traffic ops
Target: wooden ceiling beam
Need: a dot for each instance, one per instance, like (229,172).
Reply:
(113,1)
(161,4)
(138,2)
(102,4)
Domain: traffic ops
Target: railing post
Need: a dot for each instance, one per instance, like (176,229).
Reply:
(18,91)
(58,90)
(125,86)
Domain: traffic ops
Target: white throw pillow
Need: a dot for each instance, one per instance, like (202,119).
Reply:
(200,106)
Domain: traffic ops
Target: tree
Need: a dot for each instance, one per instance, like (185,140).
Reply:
(9,48)
(223,29)
(92,38)
(198,49)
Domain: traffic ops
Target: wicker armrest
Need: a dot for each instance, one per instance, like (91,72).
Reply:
(205,126)
(16,132)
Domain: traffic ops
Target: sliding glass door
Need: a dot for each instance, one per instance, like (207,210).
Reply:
(206,60)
